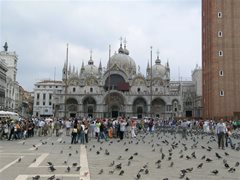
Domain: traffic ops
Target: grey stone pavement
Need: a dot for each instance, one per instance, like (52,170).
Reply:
(96,158)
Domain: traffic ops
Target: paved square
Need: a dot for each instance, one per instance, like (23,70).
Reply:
(138,158)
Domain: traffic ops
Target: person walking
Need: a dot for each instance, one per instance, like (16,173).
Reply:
(74,134)
(133,128)
(68,126)
(221,131)
(122,128)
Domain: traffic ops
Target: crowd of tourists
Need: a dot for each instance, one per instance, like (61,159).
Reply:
(82,129)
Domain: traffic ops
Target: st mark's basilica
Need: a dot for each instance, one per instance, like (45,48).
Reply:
(121,89)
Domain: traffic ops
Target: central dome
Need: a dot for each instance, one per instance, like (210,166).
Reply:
(158,70)
(123,61)
(90,68)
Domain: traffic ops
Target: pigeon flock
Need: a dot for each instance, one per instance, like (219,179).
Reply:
(163,155)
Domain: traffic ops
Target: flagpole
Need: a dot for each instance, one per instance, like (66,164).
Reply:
(66,84)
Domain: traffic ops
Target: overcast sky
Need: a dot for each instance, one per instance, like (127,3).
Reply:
(39,30)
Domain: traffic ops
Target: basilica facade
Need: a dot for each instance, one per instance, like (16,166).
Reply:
(120,89)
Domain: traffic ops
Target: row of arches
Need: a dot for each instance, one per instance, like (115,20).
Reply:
(114,105)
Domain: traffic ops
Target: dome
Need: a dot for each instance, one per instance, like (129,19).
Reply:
(90,70)
(158,70)
(123,61)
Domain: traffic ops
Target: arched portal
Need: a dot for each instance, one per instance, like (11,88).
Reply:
(89,106)
(158,108)
(139,107)
(72,106)
(115,105)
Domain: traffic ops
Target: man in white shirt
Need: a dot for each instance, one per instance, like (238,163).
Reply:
(68,126)
(220,131)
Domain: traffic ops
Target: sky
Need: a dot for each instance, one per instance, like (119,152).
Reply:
(39,31)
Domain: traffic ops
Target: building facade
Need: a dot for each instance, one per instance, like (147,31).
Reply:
(25,103)
(12,87)
(120,89)
(43,97)
(197,81)
(221,58)
(3,83)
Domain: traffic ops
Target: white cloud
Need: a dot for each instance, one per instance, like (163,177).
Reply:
(39,31)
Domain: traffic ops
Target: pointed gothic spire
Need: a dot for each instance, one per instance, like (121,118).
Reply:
(5,46)
(69,68)
(82,68)
(100,65)
(120,50)
(90,62)
(158,61)
(148,66)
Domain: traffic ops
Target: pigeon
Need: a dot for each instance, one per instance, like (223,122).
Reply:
(70,154)
(37,177)
(200,165)
(52,143)
(78,168)
(138,176)
(237,164)
(50,163)
(112,164)
(98,152)
(119,157)
(215,172)
(68,169)
(182,175)
(107,152)
(135,154)
(203,157)
(187,157)
(208,160)
(34,160)
(19,159)
(101,171)
(158,161)
(126,149)
(231,170)
(111,172)
(74,164)
(189,169)
(130,158)
(226,154)
(121,173)
(119,166)
(52,168)
(129,162)
(171,165)
(51,177)
(226,165)
(218,156)
(145,166)
(146,171)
